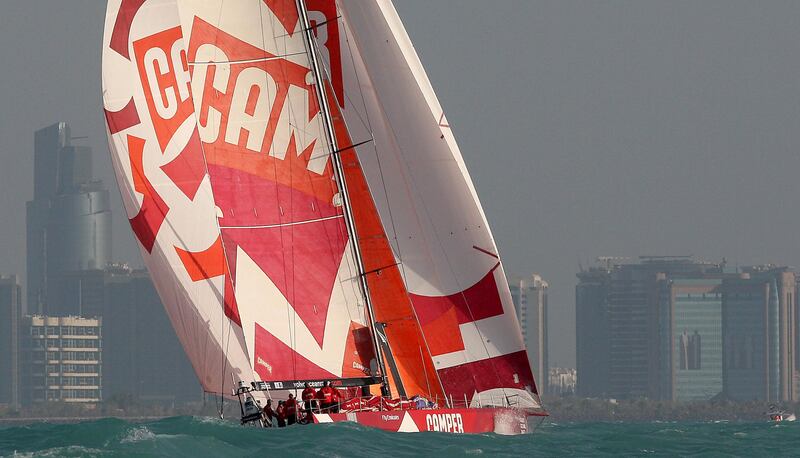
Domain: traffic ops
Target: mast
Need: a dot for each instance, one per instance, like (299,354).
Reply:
(342,185)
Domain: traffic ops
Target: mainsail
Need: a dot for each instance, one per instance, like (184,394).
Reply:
(428,205)
(233,161)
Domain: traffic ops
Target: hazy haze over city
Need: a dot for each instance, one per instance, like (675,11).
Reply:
(590,128)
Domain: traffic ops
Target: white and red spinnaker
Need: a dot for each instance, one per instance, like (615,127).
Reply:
(160,168)
(218,146)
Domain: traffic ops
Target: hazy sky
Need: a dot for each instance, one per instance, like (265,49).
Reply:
(591,128)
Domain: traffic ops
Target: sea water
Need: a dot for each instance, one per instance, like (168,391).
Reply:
(199,437)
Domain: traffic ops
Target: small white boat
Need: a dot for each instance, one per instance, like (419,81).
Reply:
(777,415)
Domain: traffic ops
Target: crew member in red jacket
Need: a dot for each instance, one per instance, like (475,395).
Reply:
(291,410)
(336,399)
(308,398)
(280,412)
(325,397)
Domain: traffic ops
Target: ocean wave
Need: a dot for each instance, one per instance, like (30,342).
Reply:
(138,434)
(59,452)
(202,436)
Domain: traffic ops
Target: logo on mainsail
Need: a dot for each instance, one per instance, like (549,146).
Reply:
(270,172)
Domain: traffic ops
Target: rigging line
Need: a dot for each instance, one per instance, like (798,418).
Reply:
(170,225)
(378,269)
(224,356)
(339,174)
(333,153)
(453,275)
(392,362)
(447,259)
(246,61)
(346,96)
(295,223)
(342,234)
(342,150)
(278,208)
(388,202)
(304,30)
(457,280)
(363,124)
(353,279)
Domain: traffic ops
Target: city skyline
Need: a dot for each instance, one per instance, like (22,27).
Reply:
(677,329)
(644,151)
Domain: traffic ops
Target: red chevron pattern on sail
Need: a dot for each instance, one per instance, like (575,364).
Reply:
(224,170)
(158,161)
(278,206)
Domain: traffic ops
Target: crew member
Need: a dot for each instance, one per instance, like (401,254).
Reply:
(325,397)
(336,399)
(280,413)
(269,414)
(291,410)
(308,398)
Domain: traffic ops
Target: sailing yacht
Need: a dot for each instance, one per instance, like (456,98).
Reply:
(306,215)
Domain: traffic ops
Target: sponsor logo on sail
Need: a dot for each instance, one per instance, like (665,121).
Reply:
(261,362)
(164,72)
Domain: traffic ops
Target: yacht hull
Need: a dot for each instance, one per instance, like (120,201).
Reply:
(507,421)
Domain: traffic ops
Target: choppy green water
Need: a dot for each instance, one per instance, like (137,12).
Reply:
(196,437)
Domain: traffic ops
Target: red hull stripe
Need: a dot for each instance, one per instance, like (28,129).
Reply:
(457,421)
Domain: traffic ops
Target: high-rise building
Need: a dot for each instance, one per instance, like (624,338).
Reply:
(11,313)
(592,332)
(759,335)
(530,302)
(148,361)
(618,323)
(562,381)
(68,220)
(81,293)
(690,333)
(62,359)
(143,356)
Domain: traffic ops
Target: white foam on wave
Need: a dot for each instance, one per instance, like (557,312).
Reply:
(71,450)
(138,434)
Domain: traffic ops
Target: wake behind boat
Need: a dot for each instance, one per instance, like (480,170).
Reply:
(305,212)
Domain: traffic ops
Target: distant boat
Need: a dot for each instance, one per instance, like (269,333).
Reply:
(306,215)
(777,415)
